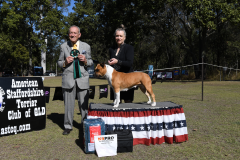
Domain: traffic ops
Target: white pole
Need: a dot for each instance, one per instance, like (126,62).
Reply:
(237,67)
(56,69)
(43,57)
(220,75)
(43,53)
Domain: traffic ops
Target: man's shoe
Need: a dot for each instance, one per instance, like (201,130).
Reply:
(67,131)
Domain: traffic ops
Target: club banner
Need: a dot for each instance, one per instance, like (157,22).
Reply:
(91,71)
(22,105)
(58,94)
(159,75)
(150,72)
(91,92)
(176,72)
(103,91)
(47,94)
(184,72)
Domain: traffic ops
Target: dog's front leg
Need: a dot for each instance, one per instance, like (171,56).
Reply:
(117,99)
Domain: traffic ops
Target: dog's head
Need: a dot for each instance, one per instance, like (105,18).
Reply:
(100,70)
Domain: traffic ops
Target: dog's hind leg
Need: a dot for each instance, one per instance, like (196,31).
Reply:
(143,89)
(150,91)
(148,86)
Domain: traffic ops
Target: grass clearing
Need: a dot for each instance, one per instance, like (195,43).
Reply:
(213,125)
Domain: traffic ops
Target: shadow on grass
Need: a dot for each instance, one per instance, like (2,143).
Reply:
(59,120)
(200,98)
(80,141)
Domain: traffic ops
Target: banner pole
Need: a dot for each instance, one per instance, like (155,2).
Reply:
(202,77)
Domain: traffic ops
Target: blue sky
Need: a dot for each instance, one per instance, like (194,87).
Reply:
(70,8)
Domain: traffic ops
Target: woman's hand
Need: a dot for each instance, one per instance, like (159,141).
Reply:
(112,61)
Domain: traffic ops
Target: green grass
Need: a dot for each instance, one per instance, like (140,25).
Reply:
(213,125)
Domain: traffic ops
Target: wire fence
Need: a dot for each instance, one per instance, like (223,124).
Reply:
(194,71)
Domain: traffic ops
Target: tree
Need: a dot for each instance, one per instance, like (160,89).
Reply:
(100,18)
(207,16)
(164,33)
(22,22)
(53,51)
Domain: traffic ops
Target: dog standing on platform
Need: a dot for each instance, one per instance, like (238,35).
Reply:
(120,81)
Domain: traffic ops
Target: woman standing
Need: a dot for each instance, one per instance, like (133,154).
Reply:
(121,59)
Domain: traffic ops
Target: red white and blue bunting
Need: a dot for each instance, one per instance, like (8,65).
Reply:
(149,126)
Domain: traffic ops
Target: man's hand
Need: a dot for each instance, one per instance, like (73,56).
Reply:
(69,59)
(82,58)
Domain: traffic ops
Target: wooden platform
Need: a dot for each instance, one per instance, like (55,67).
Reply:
(127,106)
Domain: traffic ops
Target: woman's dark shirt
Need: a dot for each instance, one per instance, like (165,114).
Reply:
(125,58)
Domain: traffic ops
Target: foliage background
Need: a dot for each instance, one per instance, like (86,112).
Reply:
(164,33)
